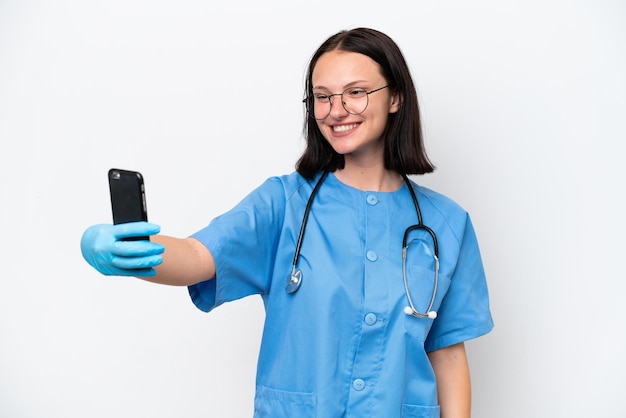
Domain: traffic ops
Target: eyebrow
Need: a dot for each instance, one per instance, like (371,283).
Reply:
(347,86)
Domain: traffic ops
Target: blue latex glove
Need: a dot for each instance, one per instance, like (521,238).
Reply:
(104,250)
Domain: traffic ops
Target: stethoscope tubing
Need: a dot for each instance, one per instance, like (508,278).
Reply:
(411,310)
(295,278)
(305,218)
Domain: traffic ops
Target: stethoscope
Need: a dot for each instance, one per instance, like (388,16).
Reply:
(294,280)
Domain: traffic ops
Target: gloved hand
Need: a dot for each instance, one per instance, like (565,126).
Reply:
(103,248)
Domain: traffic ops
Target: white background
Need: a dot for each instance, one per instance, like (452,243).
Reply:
(524,108)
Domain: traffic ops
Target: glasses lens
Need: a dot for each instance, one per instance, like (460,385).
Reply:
(317,106)
(321,106)
(354,100)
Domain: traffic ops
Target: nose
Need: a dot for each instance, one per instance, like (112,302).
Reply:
(339,110)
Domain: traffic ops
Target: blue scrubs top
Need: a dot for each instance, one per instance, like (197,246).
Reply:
(341,346)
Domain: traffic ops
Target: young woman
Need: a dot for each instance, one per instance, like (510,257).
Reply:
(371,283)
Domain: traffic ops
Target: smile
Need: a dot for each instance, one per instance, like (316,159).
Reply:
(344,128)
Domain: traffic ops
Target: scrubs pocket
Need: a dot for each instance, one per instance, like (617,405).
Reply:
(273,403)
(419,411)
(417,329)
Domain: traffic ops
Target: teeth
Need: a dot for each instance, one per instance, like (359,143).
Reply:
(344,128)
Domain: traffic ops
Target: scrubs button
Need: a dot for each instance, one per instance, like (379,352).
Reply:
(370,319)
(372,200)
(372,256)
(358,384)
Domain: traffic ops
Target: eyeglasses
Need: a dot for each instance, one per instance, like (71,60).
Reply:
(354,100)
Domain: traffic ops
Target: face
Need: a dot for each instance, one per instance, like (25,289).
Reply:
(356,136)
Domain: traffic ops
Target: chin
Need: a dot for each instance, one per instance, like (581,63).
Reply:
(342,147)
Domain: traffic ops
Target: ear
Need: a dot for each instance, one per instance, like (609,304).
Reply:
(394,106)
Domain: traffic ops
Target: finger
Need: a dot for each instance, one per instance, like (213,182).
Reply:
(134,263)
(135,229)
(137,248)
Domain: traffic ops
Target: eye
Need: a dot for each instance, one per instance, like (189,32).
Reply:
(322,98)
(355,93)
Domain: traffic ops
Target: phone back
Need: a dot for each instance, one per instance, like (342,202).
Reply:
(128,199)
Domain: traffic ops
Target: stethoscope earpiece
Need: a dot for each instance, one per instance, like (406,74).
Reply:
(410,311)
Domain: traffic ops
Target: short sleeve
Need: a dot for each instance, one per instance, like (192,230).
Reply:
(464,313)
(243,242)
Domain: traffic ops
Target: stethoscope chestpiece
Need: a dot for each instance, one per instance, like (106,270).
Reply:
(294,280)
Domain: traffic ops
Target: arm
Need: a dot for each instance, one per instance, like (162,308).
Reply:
(453,380)
(163,259)
(185,262)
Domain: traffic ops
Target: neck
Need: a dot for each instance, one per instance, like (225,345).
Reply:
(374,178)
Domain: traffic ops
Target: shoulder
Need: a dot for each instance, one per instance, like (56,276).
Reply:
(279,185)
(440,202)
(290,184)
(443,210)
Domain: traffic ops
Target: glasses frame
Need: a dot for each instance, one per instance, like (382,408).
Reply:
(310,104)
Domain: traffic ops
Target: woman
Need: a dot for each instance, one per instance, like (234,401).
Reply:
(325,248)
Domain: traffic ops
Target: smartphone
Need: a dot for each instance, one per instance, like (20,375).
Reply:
(128,198)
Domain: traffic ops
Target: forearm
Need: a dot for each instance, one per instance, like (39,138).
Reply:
(185,262)
(453,381)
